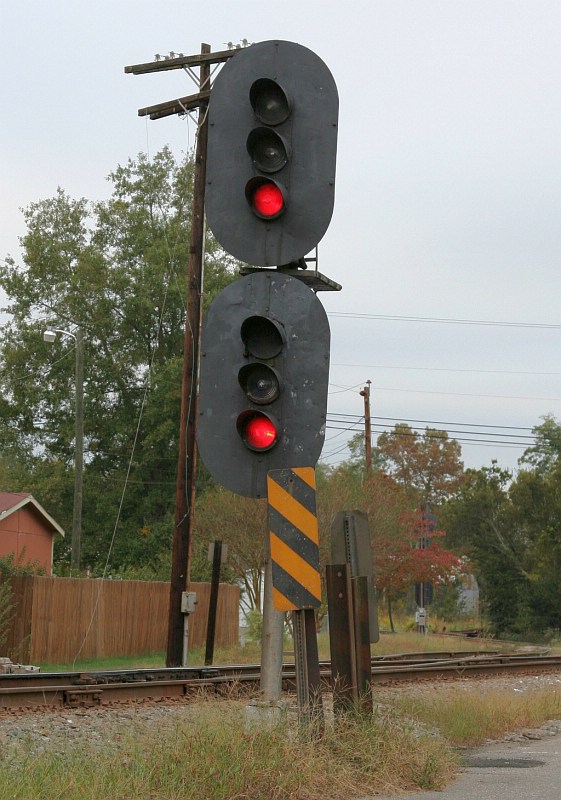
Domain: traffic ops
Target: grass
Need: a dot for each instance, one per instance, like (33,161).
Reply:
(410,742)
(208,751)
(250,653)
(416,642)
(215,755)
(470,716)
(150,660)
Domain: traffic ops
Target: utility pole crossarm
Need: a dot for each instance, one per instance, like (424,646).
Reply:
(179,106)
(180,62)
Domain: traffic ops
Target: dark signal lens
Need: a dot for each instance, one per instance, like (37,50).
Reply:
(260,383)
(262,337)
(265,197)
(267,149)
(257,430)
(269,101)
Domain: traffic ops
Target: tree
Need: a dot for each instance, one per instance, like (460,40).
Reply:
(429,464)
(116,270)
(546,453)
(396,526)
(241,524)
(478,520)
(535,498)
(511,529)
(357,459)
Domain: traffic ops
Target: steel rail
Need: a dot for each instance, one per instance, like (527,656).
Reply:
(79,689)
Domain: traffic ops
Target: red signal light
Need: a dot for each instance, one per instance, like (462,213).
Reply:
(266,198)
(260,433)
(257,430)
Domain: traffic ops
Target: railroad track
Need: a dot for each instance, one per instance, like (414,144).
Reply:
(100,688)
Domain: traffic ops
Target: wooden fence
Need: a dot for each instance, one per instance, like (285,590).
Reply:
(59,619)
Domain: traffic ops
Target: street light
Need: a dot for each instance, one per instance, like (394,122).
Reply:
(50,336)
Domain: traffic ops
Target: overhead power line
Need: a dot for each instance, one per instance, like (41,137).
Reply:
(445,320)
(359,417)
(469,394)
(446,369)
(461,439)
(381,427)
(486,435)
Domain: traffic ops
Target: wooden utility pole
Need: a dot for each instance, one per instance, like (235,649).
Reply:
(186,462)
(49,336)
(79,452)
(367,428)
(187,455)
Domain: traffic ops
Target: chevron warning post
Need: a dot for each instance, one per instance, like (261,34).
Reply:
(294,542)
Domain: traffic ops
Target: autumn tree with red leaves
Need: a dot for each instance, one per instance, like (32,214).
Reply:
(417,470)
(402,562)
(396,526)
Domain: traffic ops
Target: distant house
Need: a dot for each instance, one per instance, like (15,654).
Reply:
(468,595)
(26,530)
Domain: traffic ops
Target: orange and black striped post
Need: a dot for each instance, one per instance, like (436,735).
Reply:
(294,553)
(293,532)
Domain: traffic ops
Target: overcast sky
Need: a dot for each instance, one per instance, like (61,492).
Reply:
(448,193)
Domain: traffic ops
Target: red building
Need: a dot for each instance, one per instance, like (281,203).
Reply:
(26,530)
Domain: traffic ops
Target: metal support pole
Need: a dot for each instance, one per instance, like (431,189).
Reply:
(213,602)
(306,659)
(349,634)
(362,642)
(341,636)
(271,639)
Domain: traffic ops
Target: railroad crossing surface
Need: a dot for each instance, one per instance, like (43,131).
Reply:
(504,771)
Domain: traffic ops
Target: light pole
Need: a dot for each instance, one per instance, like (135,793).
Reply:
(50,336)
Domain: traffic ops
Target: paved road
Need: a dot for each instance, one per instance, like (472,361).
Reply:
(505,771)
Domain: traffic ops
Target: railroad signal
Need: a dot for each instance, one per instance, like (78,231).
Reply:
(424,594)
(271,153)
(263,381)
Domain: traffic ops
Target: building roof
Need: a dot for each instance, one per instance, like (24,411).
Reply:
(10,502)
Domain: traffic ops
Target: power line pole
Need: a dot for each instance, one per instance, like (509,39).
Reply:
(49,336)
(79,452)
(187,455)
(367,428)
(186,462)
